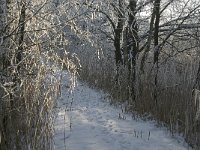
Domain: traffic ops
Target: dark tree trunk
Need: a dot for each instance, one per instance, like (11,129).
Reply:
(118,55)
(156,47)
(21,35)
(197,83)
(118,33)
(132,47)
(117,38)
(156,30)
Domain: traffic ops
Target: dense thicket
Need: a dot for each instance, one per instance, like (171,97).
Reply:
(30,67)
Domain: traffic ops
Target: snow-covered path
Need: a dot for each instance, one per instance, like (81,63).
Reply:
(90,123)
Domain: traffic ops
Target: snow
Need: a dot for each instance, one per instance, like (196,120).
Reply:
(86,121)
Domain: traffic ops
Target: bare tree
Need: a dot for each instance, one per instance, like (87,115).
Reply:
(132,46)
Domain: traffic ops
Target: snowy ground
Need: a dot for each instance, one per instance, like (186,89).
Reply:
(90,123)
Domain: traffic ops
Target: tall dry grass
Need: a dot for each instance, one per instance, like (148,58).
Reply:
(27,104)
(29,88)
(176,107)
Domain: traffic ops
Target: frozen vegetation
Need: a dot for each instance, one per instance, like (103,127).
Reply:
(86,121)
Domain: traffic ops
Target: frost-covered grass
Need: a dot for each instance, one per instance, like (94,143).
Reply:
(177,108)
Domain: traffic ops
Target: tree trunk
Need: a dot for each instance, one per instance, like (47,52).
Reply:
(117,39)
(132,47)
(156,47)
(21,35)
(118,33)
